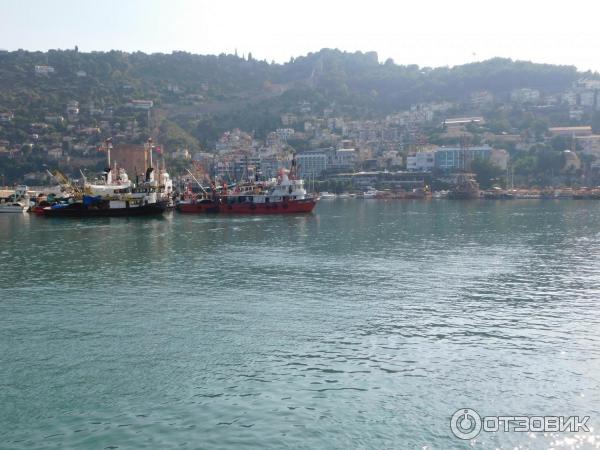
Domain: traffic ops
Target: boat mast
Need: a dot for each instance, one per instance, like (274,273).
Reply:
(108,147)
(197,182)
(214,171)
(150,169)
(150,150)
(292,175)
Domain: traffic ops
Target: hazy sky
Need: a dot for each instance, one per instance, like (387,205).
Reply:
(424,32)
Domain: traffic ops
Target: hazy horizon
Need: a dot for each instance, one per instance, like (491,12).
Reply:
(430,34)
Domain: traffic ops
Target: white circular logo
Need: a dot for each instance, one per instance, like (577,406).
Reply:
(465,423)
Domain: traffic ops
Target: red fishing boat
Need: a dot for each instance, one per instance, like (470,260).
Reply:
(284,195)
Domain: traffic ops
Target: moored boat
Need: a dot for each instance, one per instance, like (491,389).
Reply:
(117,197)
(97,207)
(325,195)
(370,193)
(286,195)
(18,202)
(466,189)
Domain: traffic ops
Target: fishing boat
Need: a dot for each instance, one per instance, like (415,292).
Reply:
(99,207)
(284,195)
(18,202)
(109,197)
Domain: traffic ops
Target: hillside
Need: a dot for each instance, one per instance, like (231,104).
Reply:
(202,95)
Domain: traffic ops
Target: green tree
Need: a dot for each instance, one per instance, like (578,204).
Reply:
(549,161)
(560,143)
(486,172)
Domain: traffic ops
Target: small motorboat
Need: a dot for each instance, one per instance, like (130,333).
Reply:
(370,193)
(325,195)
(18,202)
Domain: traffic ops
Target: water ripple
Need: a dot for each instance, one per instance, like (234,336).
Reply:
(364,325)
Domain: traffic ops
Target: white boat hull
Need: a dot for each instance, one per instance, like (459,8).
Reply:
(13,209)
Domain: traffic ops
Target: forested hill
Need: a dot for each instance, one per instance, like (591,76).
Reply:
(202,92)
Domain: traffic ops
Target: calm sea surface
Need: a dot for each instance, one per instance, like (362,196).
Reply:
(364,325)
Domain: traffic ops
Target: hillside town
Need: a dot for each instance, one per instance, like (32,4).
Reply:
(495,137)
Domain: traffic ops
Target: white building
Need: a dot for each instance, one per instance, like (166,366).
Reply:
(73,108)
(284,133)
(570,98)
(590,144)
(6,117)
(288,119)
(463,121)
(390,158)
(587,99)
(588,84)
(525,95)
(420,161)
(576,113)
(55,153)
(481,99)
(53,118)
(345,158)
(311,163)
(44,70)
(141,104)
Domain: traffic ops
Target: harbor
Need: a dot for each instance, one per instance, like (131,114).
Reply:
(314,226)
(187,202)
